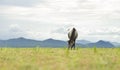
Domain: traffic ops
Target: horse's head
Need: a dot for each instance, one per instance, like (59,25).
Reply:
(71,43)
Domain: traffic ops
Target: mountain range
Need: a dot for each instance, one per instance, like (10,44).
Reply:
(23,42)
(83,42)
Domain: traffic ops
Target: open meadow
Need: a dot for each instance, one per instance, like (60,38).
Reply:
(59,59)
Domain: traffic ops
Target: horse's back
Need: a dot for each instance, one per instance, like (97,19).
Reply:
(71,33)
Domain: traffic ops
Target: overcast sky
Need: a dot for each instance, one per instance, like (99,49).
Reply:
(41,19)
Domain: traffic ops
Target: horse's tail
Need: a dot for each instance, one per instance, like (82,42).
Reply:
(73,34)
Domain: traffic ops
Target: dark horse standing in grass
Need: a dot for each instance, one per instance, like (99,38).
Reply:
(72,35)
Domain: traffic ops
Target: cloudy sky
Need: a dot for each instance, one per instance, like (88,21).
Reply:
(41,19)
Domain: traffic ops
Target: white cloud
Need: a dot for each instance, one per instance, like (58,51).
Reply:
(24,3)
(94,19)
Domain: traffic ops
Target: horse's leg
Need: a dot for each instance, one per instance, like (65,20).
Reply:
(68,44)
(68,47)
(72,43)
(74,46)
(71,47)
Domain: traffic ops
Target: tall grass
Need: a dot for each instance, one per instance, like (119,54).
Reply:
(95,49)
(59,59)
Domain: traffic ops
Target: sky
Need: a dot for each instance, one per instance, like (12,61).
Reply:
(42,19)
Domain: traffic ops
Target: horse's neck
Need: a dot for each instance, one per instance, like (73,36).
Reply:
(72,34)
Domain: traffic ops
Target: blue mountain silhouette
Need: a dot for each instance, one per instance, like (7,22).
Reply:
(23,42)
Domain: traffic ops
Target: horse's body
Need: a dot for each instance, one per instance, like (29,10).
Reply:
(72,35)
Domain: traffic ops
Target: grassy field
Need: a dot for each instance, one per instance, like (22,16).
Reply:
(59,59)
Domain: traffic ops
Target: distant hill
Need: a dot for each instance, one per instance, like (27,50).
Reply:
(19,42)
(53,43)
(83,42)
(116,44)
(101,44)
(23,42)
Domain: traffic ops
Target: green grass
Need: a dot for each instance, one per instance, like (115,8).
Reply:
(59,59)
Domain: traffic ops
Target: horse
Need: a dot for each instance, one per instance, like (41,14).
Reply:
(72,35)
